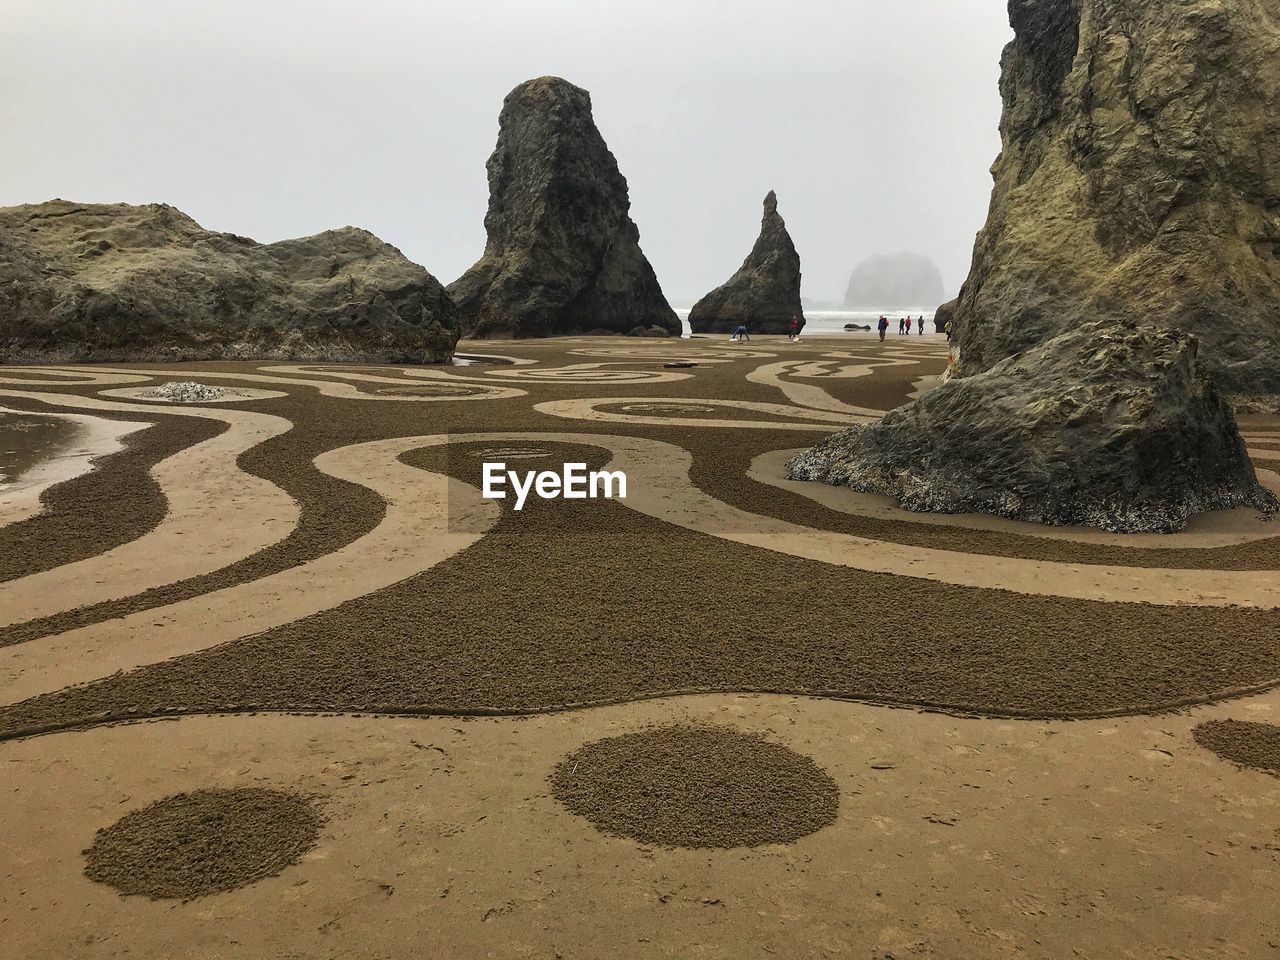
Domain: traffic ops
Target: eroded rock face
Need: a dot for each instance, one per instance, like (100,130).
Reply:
(563,256)
(114,282)
(899,281)
(943,315)
(1139,181)
(1104,427)
(765,292)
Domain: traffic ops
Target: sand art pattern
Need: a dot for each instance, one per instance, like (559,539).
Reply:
(313,545)
(205,630)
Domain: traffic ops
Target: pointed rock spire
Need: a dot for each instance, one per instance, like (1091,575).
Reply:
(563,255)
(765,292)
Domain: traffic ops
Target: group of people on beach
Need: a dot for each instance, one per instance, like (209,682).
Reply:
(740,334)
(904,326)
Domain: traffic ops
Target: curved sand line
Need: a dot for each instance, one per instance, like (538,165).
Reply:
(71,377)
(1205,531)
(659,487)
(98,437)
(662,351)
(471,355)
(217,514)
(586,409)
(575,374)
(429,518)
(479,389)
(327,388)
(813,396)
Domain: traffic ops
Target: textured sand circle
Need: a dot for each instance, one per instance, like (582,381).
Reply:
(194,844)
(686,786)
(1255,745)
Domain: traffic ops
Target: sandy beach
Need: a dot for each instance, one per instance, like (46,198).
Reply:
(307,595)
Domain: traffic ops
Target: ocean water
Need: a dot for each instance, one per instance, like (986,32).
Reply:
(831,322)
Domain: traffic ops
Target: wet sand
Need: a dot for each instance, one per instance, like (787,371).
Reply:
(27,440)
(1053,798)
(38,452)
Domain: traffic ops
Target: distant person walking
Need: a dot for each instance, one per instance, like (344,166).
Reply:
(908,326)
(920,327)
(901,324)
(948,330)
(795,329)
(740,334)
(884,327)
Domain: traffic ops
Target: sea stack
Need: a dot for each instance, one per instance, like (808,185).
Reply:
(765,292)
(1103,426)
(1127,279)
(901,281)
(1139,180)
(83,282)
(563,255)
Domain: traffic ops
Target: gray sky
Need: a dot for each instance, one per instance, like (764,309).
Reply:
(875,121)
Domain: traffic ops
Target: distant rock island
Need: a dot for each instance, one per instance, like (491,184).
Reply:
(765,292)
(895,282)
(563,255)
(113,282)
(1139,180)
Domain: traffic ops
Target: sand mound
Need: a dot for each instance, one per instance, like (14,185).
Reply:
(194,844)
(687,786)
(1255,745)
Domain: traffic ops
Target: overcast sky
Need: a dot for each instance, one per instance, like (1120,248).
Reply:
(875,121)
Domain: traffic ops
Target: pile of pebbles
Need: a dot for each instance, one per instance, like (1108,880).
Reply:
(195,844)
(696,787)
(186,391)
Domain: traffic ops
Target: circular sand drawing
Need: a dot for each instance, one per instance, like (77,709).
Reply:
(686,786)
(194,844)
(1255,745)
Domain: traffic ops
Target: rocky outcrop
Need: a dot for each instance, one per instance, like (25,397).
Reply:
(1139,180)
(99,282)
(898,282)
(943,315)
(563,256)
(765,292)
(1102,426)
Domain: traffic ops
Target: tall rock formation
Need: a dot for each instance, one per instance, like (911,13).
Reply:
(1139,180)
(900,281)
(563,256)
(765,292)
(114,282)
